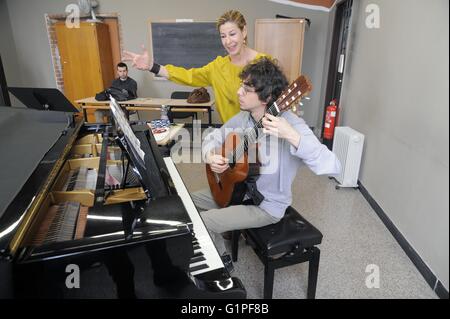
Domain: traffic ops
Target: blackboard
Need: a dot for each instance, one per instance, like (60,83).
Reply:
(186,44)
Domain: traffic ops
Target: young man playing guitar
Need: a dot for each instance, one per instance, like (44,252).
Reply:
(263,87)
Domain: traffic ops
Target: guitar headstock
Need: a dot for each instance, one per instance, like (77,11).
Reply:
(298,89)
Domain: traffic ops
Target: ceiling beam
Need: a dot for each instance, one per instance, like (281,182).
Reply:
(322,5)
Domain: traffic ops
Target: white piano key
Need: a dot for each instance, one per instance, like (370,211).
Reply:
(201,233)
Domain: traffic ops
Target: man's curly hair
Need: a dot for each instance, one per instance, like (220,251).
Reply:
(266,77)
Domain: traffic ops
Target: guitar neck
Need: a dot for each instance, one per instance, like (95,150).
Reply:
(295,91)
(252,135)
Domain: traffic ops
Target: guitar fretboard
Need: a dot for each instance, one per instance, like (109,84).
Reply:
(294,92)
(251,136)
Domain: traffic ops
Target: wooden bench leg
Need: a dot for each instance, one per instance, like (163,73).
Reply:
(269,272)
(313,272)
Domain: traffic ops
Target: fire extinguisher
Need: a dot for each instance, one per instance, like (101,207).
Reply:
(330,120)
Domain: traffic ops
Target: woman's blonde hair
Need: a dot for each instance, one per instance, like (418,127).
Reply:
(232,16)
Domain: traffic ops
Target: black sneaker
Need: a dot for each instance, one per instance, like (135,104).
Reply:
(227,262)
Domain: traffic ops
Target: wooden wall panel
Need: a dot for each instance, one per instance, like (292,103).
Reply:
(115,40)
(283,39)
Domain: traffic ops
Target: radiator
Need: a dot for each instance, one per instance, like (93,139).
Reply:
(348,147)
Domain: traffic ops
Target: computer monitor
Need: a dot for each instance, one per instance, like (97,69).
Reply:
(43,99)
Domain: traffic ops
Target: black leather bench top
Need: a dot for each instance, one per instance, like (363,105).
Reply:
(283,236)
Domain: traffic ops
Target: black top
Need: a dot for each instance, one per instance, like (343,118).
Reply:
(129,84)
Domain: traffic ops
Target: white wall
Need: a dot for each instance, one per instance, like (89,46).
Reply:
(396,93)
(33,51)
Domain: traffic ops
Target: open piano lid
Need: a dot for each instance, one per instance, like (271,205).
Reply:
(30,141)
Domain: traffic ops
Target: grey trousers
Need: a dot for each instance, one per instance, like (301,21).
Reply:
(219,220)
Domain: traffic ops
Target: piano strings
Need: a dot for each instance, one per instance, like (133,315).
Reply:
(81,178)
(65,221)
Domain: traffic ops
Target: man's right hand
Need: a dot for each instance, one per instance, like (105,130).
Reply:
(139,61)
(218,163)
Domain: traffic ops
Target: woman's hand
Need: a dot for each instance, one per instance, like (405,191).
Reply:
(280,127)
(218,163)
(139,61)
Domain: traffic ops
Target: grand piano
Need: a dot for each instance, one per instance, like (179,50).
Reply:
(95,211)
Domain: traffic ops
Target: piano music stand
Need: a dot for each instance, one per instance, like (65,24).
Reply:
(44,99)
(128,142)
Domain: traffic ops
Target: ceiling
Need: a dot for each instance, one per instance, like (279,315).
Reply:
(310,4)
(321,3)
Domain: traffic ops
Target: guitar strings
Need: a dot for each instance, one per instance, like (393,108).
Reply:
(252,135)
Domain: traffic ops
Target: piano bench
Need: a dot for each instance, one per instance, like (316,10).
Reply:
(291,241)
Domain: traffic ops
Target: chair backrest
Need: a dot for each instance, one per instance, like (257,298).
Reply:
(180,95)
(180,115)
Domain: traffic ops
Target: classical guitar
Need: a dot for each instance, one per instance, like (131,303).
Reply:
(228,188)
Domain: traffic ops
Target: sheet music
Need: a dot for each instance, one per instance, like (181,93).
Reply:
(122,122)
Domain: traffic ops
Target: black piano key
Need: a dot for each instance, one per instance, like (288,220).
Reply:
(198,267)
(197,259)
(197,254)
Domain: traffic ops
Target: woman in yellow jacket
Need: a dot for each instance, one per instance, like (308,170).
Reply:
(222,74)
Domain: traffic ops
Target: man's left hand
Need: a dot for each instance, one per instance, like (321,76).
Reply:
(280,127)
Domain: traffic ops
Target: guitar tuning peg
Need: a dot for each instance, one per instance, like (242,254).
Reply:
(307,98)
(301,103)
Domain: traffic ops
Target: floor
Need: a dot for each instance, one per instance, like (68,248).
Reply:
(355,241)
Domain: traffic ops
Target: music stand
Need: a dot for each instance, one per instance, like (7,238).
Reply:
(43,99)
(131,146)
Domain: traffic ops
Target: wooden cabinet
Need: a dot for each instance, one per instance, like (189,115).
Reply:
(282,39)
(86,59)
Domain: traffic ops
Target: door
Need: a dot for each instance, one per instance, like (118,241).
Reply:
(82,61)
(282,39)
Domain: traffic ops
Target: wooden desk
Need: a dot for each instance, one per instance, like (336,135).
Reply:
(148,104)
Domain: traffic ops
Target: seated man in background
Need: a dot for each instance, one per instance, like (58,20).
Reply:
(124,83)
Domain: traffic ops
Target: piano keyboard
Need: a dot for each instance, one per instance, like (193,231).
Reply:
(206,258)
(81,178)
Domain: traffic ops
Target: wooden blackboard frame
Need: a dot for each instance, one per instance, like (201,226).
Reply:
(194,48)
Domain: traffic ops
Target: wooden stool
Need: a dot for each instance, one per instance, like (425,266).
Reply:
(290,241)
